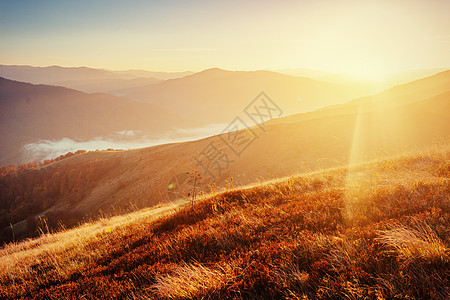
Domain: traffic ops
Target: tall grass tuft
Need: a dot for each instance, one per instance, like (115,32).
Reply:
(418,243)
(192,280)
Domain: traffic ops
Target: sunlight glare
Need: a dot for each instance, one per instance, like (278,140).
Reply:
(370,72)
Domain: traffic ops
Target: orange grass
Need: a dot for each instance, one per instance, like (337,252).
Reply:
(304,237)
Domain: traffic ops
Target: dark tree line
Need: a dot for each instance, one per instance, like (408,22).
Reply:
(29,191)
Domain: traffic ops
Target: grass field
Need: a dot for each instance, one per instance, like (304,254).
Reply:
(379,230)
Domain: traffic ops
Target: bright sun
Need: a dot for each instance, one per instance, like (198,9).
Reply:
(374,73)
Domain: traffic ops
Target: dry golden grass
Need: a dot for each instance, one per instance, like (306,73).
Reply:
(192,281)
(381,234)
(415,244)
(67,251)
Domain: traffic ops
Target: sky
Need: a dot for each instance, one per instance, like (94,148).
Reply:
(336,36)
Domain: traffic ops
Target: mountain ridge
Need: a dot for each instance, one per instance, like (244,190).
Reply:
(215,95)
(49,112)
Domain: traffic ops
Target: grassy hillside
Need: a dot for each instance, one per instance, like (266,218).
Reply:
(379,230)
(140,178)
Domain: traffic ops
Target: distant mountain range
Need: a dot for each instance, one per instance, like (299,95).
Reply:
(389,79)
(217,96)
(85,79)
(29,113)
(407,93)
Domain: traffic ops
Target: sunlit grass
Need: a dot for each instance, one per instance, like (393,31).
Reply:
(192,280)
(417,243)
(287,238)
(67,251)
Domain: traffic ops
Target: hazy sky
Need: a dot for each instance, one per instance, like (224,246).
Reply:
(338,36)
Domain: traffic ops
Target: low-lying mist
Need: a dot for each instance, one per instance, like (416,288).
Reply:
(121,140)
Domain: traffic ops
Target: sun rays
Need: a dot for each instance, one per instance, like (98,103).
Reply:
(376,122)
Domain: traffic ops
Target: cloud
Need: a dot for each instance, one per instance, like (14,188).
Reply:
(126,133)
(186,49)
(47,149)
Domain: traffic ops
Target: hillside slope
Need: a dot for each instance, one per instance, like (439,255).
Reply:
(146,177)
(379,230)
